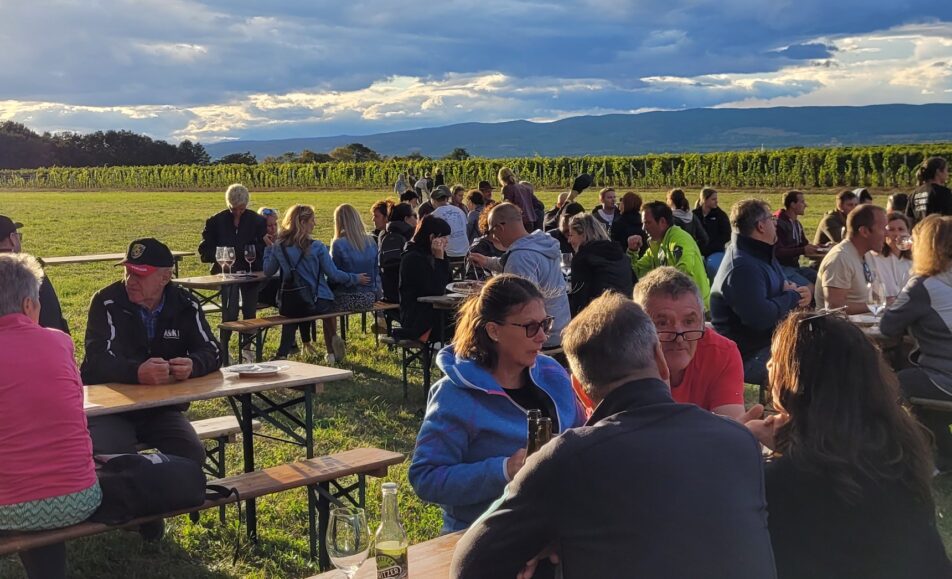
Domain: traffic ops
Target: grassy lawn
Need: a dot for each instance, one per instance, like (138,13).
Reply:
(366,411)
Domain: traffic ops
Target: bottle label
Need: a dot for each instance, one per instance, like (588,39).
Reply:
(392,566)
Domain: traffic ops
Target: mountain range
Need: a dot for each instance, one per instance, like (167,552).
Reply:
(693,130)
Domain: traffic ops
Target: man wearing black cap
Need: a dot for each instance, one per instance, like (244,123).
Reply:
(486,188)
(51,314)
(142,330)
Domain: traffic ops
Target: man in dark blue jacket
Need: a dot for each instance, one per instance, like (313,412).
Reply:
(647,488)
(750,294)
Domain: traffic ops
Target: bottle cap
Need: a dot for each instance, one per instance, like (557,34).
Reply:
(389,486)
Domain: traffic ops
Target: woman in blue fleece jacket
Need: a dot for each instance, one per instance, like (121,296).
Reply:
(473,437)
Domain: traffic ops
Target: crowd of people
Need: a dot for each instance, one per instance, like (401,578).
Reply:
(661,314)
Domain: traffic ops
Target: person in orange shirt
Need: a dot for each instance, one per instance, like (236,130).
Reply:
(706,368)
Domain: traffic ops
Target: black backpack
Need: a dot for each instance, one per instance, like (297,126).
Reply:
(388,256)
(296,297)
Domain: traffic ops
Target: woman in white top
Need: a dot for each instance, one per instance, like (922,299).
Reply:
(893,263)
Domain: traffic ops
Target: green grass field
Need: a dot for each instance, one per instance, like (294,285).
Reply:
(368,410)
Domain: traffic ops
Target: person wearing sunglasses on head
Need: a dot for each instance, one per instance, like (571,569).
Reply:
(473,438)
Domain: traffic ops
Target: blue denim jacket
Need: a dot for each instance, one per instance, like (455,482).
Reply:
(348,258)
(316,259)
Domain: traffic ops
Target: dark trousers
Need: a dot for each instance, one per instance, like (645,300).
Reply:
(230,305)
(915,383)
(47,562)
(166,429)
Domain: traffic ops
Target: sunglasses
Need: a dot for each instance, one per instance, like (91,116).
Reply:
(532,328)
(268,212)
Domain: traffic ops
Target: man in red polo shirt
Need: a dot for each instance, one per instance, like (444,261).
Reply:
(706,368)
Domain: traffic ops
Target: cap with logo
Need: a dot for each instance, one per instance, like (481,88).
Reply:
(8,226)
(146,255)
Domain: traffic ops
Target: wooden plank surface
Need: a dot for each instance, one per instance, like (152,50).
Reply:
(112,398)
(73,259)
(429,560)
(210,282)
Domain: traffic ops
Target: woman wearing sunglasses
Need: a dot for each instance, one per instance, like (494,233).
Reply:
(849,485)
(473,437)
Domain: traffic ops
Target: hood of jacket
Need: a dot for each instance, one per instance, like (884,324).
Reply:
(400,227)
(547,374)
(683,215)
(540,242)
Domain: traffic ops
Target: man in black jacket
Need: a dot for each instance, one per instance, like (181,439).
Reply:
(144,331)
(51,314)
(647,488)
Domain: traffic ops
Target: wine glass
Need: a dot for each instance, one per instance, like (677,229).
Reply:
(566,264)
(904,243)
(251,253)
(348,539)
(876,296)
(229,258)
(220,259)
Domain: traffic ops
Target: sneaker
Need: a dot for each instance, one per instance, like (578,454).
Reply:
(339,348)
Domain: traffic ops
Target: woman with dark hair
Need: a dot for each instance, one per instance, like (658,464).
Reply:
(932,196)
(628,222)
(401,221)
(893,263)
(474,207)
(607,211)
(686,220)
(924,309)
(295,249)
(717,226)
(897,202)
(849,485)
(473,438)
(598,265)
(863,195)
(424,271)
(569,210)
(487,243)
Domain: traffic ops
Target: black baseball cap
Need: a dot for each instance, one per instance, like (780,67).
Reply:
(485,185)
(8,226)
(147,254)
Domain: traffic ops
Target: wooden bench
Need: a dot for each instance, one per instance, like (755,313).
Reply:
(320,475)
(932,404)
(253,332)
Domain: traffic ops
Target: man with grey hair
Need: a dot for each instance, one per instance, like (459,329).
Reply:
(750,294)
(705,367)
(51,314)
(237,228)
(647,488)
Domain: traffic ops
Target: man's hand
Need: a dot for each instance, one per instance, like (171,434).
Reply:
(806,296)
(479,259)
(634,242)
(515,463)
(154,371)
(529,570)
(181,368)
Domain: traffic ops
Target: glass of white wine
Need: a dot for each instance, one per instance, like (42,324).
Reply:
(876,296)
(348,539)
(220,259)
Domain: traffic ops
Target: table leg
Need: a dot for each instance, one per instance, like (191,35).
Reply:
(248,448)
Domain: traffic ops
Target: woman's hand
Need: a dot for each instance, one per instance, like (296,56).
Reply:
(363,279)
(268,239)
(515,462)
(438,247)
(765,431)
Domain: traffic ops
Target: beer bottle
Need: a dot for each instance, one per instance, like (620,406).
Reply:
(540,431)
(391,539)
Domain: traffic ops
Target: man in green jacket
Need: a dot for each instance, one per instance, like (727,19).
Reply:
(668,245)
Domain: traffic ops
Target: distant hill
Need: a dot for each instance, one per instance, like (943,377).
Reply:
(695,130)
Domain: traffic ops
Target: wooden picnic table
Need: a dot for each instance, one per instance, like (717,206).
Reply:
(207,288)
(893,349)
(76,259)
(249,398)
(429,560)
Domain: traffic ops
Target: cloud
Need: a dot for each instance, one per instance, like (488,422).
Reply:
(220,69)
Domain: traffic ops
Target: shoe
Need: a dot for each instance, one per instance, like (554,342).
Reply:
(248,355)
(152,531)
(330,359)
(339,348)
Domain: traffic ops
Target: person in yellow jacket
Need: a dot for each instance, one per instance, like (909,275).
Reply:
(668,245)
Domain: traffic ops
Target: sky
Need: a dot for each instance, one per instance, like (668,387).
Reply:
(239,69)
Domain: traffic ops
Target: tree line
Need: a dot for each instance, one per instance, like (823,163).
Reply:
(892,166)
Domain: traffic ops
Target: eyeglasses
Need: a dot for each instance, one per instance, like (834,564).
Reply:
(867,273)
(687,336)
(532,328)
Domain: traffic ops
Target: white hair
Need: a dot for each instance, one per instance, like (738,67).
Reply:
(22,275)
(236,194)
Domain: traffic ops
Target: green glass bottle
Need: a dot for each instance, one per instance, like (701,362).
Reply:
(391,539)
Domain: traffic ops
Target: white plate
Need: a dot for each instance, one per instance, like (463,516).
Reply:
(255,369)
(864,319)
(466,288)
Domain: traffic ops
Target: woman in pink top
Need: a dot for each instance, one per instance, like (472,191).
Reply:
(519,195)
(48,479)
